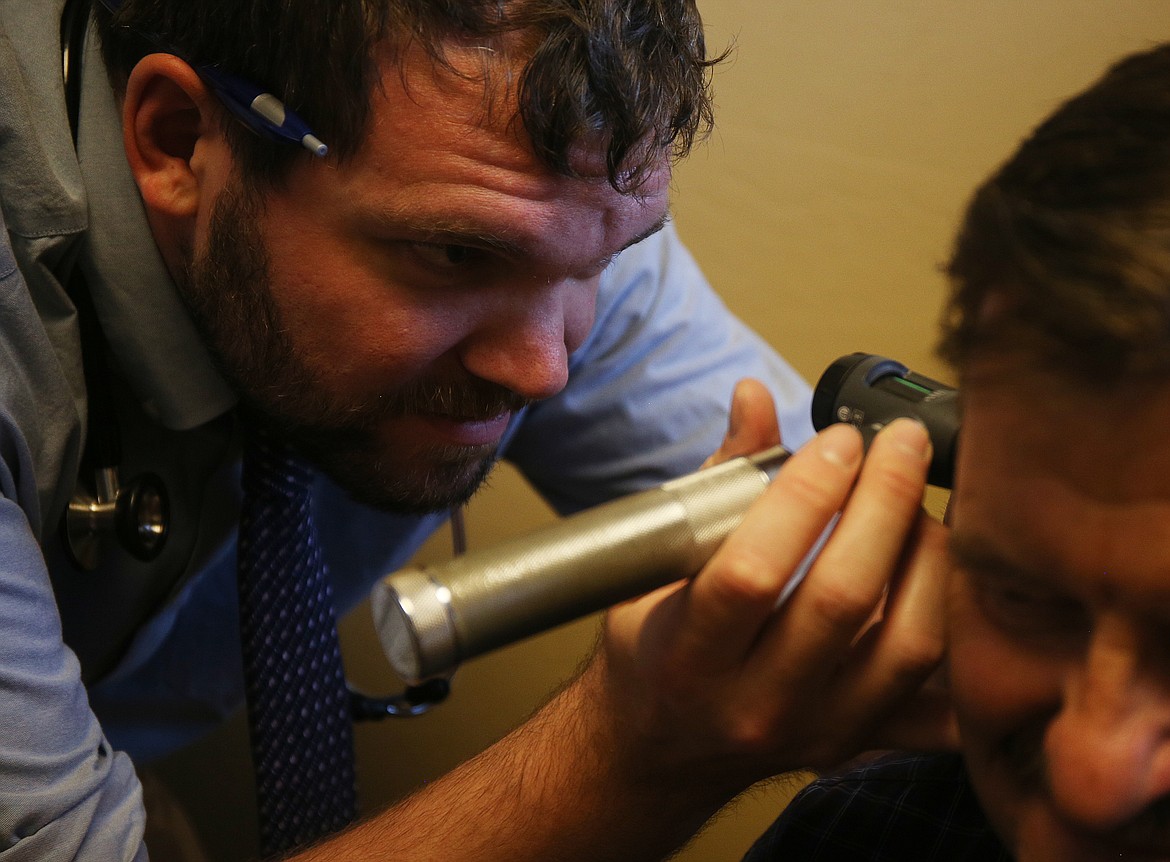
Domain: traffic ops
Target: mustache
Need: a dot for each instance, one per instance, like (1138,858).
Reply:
(324,422)
(1150,829)
(469,400)
(1022,754)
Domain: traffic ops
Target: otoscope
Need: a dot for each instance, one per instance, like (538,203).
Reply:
(430,618)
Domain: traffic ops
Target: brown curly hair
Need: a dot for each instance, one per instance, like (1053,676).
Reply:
(633,74)
(1064,253)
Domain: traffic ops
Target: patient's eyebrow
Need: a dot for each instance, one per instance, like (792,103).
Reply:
(977,554)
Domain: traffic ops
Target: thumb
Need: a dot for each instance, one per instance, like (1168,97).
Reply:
(752,425)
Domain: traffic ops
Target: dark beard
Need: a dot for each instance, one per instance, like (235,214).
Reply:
(228,292)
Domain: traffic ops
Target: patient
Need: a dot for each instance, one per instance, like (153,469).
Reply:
(1059,600)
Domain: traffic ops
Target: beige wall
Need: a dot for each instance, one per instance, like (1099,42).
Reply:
(850,133)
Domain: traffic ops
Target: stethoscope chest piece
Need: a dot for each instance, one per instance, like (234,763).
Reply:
(138,514)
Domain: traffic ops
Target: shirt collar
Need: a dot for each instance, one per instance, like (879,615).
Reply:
(149,329)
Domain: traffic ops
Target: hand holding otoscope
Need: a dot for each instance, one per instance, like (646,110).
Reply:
(431,618)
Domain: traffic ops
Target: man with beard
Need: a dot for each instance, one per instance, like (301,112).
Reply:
(1058,608)
(480,266)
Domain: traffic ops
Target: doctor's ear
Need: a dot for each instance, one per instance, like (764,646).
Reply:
(174,142)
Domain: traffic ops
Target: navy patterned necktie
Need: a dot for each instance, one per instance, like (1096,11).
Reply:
(298,703)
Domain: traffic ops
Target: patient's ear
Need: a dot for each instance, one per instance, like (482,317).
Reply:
(173,139)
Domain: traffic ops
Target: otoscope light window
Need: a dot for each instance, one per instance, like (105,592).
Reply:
(910,384)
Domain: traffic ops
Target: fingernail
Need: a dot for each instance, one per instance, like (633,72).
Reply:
(840,444)
(910,436)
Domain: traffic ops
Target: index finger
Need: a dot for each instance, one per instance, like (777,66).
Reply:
(821,621)
(731,598)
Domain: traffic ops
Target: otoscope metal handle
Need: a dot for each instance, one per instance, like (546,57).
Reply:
(432,618)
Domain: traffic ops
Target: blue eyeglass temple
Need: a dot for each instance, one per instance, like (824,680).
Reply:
(260,111)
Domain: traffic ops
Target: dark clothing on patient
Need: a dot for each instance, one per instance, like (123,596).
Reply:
(899,808)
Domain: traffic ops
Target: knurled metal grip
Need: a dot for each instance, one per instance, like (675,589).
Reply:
(431,618)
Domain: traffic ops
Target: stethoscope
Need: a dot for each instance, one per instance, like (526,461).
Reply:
(136,513)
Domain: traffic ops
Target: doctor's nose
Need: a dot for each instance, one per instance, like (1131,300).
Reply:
(1108,749)
(524,344)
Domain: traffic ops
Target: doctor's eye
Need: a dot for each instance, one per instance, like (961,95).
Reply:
(446,255)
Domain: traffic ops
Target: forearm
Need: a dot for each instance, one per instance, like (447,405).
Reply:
(64,794)
(557,788)
(705,687)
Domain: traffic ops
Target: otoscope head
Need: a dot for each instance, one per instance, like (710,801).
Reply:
(871,391)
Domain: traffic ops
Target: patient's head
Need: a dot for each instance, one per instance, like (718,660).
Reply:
(1059,607)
